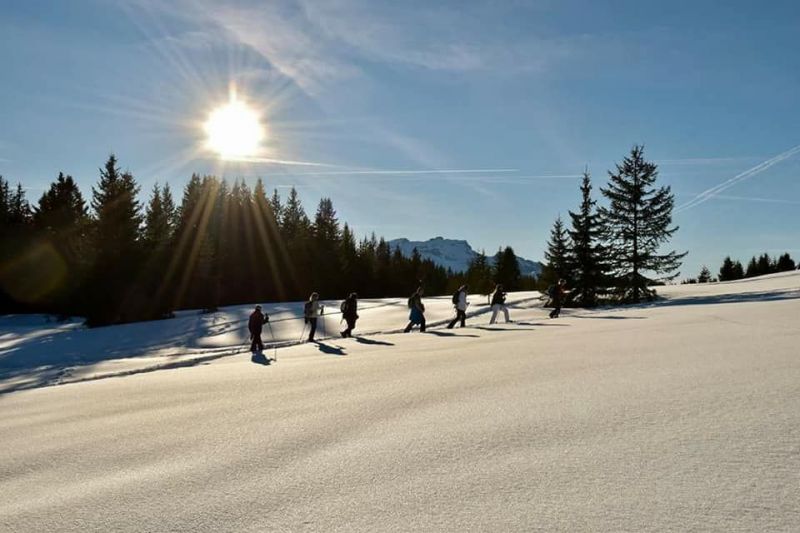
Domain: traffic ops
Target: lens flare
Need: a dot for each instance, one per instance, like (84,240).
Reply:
(234,131)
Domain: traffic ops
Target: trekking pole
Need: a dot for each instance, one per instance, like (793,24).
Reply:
(274,345)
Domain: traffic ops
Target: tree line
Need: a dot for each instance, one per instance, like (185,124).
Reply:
(614,252)
(115,260)
(731,270)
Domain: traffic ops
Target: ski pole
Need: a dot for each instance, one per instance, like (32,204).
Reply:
(302,333)
(274,345)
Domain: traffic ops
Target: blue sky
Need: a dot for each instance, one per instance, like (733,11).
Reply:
(373,96)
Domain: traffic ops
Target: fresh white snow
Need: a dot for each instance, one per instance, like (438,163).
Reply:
(682,415)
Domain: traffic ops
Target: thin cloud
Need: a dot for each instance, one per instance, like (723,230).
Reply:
(756,199)
(708,194)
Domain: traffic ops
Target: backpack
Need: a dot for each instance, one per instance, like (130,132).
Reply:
(307,309)
(551,291)
(343,307)
(454,299)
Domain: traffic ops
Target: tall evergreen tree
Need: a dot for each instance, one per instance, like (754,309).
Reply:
(705,275)
(62,222)
(785,263)
(587,267)
(726,270)
(507,269)
(738,271)
(479,274)
(764,264)
(557,255)
(638,222)
(116,241)
(18,287)
(325,252)
(752,268)
(158,221)
(61,207)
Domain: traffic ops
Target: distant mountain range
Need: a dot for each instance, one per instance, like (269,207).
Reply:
(455,254)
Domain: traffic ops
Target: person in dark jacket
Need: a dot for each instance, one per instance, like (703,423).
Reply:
(557,297)
(417,313)
(255,325)
(350,313)
(499,303)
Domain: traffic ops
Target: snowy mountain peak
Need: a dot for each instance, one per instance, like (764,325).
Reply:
(454,254)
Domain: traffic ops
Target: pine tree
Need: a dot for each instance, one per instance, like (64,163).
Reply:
(557,255)
(738,271)
(277,207)
(752,268)
(764,265)
(587,267)
(116,241)
(637,222)
(785,263)
(726,270)
(507,270)
(479,274)
(705,275)
(61,207)
(325,253)
(19,286)
(157,223)
(62,221)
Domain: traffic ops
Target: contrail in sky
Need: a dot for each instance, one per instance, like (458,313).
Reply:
(717,189)
(409,172)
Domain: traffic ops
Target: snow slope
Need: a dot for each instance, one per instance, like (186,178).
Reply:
(35,352)
(679,416)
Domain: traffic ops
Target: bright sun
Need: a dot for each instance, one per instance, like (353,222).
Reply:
(234,131)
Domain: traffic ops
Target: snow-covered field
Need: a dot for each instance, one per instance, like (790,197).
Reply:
(682,415)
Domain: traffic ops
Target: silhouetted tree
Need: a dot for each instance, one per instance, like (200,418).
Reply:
(705,275)
(507,270)
(785,263)
(113,297)
(586,263)
(556,255)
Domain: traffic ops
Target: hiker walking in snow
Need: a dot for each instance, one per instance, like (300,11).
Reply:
(349,310)
(255,325)
(460,304)
(311,311)
(417,313)
(499,303)
(556,293)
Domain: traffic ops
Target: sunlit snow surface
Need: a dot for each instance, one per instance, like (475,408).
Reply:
(678,416)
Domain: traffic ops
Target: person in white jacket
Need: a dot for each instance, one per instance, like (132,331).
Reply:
(460,303)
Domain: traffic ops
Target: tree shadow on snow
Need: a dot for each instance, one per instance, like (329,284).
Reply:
(439,333)
(546,324)
(329,349)
(511,328)
(610,317)
(372,342)
(763,296)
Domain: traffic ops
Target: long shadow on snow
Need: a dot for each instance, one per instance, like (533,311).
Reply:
(372,342)
(763,296)
(448,334)
(512,328)
(39,359)
(330,348)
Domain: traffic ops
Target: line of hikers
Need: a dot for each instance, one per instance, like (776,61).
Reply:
(313,310)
